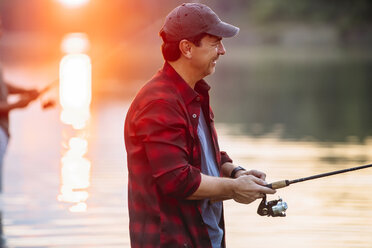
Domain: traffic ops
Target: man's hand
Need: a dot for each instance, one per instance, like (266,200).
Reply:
(255,173)
(24,100)
(33,94)
(249,188)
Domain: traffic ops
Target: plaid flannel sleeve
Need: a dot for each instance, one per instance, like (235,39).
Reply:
(163,130)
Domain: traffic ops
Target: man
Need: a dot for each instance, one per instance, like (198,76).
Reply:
(25,97)
(177,175)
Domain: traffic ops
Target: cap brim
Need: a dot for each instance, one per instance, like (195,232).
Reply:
(224,30)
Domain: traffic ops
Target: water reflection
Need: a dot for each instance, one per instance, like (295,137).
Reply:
(75,98)
(75,89)
(75,174)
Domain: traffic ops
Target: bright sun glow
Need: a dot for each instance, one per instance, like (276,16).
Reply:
(75,89)
(75,43)
(73,3)
(75,81)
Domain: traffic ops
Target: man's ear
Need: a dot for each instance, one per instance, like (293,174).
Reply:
(185,47)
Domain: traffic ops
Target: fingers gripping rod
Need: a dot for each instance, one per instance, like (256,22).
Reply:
(285,183)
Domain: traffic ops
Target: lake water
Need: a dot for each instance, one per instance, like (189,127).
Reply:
(289,114)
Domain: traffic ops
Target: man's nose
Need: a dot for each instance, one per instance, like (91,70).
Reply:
(221,49)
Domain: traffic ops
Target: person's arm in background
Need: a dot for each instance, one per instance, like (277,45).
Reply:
(25,97)
(12,89)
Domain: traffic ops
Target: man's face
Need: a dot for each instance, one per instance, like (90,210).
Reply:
(204,57)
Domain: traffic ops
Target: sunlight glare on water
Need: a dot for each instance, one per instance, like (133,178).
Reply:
(75,99)
(75,80)
(75,89)
(75,174)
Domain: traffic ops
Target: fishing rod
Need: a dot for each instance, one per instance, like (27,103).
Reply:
(277,208)
(285,183)
(48,87)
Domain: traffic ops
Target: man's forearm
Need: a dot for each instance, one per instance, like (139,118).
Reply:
(214,188)
(243,189)
(14,89)
(227,168)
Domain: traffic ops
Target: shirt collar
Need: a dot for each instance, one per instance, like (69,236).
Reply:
(188,94)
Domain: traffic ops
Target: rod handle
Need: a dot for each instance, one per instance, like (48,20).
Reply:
(278,184)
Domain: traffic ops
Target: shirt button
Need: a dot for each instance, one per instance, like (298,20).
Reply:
(198,98)
(194,116)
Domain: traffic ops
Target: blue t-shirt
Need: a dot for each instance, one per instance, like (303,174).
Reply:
(211,212)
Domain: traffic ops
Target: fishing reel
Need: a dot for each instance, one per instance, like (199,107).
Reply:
(275,208)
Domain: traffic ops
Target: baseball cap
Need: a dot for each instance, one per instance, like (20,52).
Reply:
(191,19)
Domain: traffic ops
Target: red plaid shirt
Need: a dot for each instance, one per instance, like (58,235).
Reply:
(164,162)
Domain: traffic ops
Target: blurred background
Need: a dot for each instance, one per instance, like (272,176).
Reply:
(291,97)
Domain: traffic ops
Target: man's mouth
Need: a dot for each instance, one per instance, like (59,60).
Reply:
(214,62)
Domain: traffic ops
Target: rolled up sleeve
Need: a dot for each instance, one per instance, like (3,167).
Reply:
(225,158)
